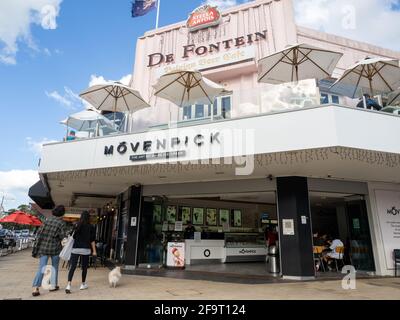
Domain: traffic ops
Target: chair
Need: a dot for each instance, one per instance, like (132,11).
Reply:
(396,253)
(317,250)
(340,251)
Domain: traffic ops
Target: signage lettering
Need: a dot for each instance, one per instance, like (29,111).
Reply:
(189,50)
(174,143)
(203,17)
(393,211)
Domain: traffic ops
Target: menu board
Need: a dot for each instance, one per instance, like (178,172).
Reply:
(185,215)
(171,214)
(211,217)
(223,216)
(176,254)
(198,216)
(157,213)
(237,218)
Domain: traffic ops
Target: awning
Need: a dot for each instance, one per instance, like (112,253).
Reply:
(41,195)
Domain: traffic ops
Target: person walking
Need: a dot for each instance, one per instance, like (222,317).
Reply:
(84,245)
(48,246)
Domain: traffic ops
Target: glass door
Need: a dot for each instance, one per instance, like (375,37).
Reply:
(150,250)
(359,240)
(122,233)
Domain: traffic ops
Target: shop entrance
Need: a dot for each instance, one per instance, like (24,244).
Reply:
(229,231)
(343,217)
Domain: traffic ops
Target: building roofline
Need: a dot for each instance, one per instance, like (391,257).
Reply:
(178,25)
(343,41)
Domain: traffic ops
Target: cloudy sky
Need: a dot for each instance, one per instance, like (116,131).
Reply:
(50,50)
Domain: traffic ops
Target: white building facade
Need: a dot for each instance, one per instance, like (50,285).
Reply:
(295,155)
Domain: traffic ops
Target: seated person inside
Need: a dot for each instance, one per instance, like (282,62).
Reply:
(332,254)
(371,104)
(71,136)
(189,231)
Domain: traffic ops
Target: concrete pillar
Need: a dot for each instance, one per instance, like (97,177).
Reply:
(296,248)
(135,209)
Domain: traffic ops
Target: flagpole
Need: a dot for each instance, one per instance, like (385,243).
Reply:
(158,12)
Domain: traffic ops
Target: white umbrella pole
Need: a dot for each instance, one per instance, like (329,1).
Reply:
(115,111)
(170,115)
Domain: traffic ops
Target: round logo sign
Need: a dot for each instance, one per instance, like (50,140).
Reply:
(207,253)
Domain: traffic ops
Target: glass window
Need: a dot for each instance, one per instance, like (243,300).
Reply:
(226,107)
(215,107)
(335,99)
(199,111)
(324,98)
(187,112)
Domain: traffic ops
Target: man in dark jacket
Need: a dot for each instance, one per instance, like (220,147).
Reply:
(370,103)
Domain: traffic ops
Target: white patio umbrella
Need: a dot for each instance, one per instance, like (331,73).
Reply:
(373,74)
(86,120)
(187,87)
(115,97)
(297,62)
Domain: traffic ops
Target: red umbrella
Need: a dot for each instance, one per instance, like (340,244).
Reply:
(18,217)
(36,221)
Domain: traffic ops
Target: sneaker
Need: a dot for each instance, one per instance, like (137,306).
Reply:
(84,286)
(68,289)
(56,288)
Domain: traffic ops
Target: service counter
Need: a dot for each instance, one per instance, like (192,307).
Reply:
(235,247)
(204,251)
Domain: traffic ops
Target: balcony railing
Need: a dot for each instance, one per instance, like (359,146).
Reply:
(262,100)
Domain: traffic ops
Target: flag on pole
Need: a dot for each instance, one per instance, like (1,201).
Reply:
(142,7)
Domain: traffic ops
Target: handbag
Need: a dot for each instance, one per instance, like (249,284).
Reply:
(65,253)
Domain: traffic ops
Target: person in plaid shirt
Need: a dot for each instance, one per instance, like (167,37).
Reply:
(48,245)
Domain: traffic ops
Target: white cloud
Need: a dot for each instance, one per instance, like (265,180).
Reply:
(16,18)
(372,21)
(15,184)
(68,99)
(37,146)
(221,4)
(59,98)
(94,80)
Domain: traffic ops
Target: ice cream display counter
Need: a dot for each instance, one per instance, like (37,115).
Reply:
(235,247)
(244,247)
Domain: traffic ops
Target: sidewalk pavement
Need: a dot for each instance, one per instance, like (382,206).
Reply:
(17,272)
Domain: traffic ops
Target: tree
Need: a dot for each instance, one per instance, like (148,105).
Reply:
(24,208)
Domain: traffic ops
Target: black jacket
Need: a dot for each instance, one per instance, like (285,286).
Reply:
(84,236)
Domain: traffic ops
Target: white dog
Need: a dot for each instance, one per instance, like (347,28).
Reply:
(114,276)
